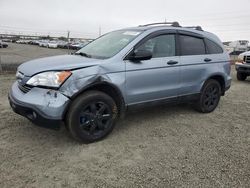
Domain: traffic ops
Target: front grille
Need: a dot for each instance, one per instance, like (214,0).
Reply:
(247,59)
(24,88)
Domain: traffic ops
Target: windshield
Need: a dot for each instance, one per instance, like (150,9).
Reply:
(108,45)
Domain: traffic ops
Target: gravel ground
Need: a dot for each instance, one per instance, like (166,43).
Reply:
(159,147)
(19,53)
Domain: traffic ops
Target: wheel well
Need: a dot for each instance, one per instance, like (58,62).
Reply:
(112,91)
(221,80)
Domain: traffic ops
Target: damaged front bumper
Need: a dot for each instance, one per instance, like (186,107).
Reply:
(44,107)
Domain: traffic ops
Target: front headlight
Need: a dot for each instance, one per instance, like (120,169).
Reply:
(49,79)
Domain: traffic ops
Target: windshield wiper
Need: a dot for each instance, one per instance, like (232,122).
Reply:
(83,54)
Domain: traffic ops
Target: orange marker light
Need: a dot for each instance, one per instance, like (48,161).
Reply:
(62,76)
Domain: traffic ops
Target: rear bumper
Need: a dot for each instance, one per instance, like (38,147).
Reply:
(43,107)
(243,68)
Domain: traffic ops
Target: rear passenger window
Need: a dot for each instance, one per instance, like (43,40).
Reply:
(192,45)
(213,48)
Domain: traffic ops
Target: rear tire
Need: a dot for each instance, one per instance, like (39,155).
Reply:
(209,97)
(241,76)
(91,116)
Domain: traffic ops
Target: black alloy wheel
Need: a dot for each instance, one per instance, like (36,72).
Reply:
(91,116)
(95,118)
(209,97)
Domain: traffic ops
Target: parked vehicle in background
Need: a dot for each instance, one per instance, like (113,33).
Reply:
(78,46)
(62,44)
(6,40)
(243,67)
(133,67)
(34,42)
(74,46)
(23,41)
(27,41)
(19,41)
(3,44)
(55,43)
(237,47)
(43,43)
(52,44)
(13,40)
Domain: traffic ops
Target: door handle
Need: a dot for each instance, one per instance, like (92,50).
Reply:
(171,62)
(207,60)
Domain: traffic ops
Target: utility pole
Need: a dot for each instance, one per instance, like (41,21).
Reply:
(68,40)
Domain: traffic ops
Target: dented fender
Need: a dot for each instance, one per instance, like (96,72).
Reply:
(84,78)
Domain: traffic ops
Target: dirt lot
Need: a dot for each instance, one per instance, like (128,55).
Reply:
(160,147)
(19,53)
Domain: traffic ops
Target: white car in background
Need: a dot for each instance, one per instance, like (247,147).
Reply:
(52,44)
(243,66)
(242,55)
(3,44)
(78,46)
(43,43)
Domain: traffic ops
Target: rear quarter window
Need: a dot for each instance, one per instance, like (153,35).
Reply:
(212,47)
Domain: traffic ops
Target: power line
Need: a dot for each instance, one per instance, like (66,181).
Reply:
(44,33)
(24,29)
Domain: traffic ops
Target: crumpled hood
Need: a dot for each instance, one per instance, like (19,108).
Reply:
(62,62)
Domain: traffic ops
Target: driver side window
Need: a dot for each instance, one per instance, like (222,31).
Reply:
(160,46)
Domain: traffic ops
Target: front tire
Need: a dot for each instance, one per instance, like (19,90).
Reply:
(241,76)
(91,116)
(209,97)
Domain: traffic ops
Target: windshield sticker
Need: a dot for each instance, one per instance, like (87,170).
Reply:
(133,33)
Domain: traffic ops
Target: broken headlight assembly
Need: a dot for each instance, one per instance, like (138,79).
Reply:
(52,79)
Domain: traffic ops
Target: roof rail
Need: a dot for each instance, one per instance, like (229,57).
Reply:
(174,24)
(195,27)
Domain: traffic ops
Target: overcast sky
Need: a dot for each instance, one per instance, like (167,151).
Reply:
(230,20)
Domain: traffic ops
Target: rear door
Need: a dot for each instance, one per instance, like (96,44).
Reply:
(157,78)
(193,61)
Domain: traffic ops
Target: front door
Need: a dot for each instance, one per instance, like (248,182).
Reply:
(157,78)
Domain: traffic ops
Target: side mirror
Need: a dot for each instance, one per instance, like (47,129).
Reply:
(141,55)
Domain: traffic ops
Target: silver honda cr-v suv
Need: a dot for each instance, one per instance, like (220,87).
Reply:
(138,66)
